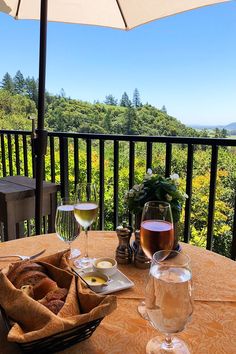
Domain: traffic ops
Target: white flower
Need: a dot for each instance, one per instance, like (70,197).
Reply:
(174,177)
(185,196)
(131,194)
(148,174)
(168,197)
(136,187)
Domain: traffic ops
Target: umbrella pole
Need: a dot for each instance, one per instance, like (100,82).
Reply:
(40,141)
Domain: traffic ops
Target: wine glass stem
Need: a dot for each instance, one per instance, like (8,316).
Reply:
(86,242)
(168,341)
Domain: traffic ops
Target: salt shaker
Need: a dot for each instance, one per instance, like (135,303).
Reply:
(124,253)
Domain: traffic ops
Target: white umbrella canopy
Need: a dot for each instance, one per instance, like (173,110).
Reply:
(121,14)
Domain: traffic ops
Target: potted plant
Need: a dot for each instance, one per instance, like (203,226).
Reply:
(156,187)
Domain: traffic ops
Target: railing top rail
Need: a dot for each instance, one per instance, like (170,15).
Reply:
(136,138)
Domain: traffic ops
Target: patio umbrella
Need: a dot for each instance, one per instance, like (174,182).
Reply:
(121,14)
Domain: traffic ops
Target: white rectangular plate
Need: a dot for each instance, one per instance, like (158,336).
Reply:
(118,281)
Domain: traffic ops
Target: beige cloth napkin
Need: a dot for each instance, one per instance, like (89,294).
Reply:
(32,320)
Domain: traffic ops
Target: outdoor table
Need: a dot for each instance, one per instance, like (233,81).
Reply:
(17,203)
(212,329)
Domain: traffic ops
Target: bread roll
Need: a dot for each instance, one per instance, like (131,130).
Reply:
(29,278)
(54,305)
(58,294)
(43,287)
(25,266)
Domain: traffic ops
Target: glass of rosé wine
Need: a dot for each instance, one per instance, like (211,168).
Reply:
(156,233)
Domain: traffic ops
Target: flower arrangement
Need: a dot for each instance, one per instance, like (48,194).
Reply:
(155,187)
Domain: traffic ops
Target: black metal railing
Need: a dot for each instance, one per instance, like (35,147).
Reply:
(64,151)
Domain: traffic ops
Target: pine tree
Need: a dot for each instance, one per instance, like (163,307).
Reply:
(163,109)
(136,98)
(7,83)
(19,83)
(107,122)
(224,133)
(125,101)
(110,100)
(130,121)
(31,89)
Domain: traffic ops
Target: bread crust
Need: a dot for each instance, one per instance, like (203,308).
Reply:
(29,278)
(54,305)
(26,266)
(43,287)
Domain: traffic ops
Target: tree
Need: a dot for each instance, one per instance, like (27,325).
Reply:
(110,100)
(7,83)
(163,109)
(19,83)
(62,93)
(136,98)
(125,101)
(107,121)
(130,121)
(31,89)
(224,133)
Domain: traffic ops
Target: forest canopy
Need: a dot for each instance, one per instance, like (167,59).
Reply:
(19,100)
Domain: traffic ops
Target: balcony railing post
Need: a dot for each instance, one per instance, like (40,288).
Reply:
(189,193)
(76,161)
(149,155)
(63,143)
(52,158)
(25,155)
(101,185)
(4,172)
(89,160)
(116,181)
(17,154)
(233,249)
(211,204)
(9,145)
(168,159)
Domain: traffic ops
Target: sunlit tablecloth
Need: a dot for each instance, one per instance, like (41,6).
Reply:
(213,326)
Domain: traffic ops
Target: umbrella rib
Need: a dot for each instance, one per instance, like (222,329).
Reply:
(122,14)
(18,8)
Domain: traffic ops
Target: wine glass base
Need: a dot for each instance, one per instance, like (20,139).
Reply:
(74,253)
(84,262)
(158,346)
(142,310)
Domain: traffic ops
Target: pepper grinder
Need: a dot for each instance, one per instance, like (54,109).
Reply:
(124,253)
(140,259)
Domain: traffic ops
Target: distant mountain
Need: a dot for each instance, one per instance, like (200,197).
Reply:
(231,126)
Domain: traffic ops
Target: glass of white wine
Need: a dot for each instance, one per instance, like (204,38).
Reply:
(169,302)
(66,227)
(85,211)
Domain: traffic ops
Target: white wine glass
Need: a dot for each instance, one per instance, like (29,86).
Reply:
(66,227)
(169,301)
(156,233)
(86,211)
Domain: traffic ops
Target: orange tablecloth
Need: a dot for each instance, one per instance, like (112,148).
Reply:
(213,326)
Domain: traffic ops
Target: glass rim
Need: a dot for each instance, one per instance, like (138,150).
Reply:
(167,258)
(65,200)
(157,202)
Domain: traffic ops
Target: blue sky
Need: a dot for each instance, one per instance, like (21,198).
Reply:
(186,62)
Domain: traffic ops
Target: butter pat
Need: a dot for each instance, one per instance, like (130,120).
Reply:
(104,264)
